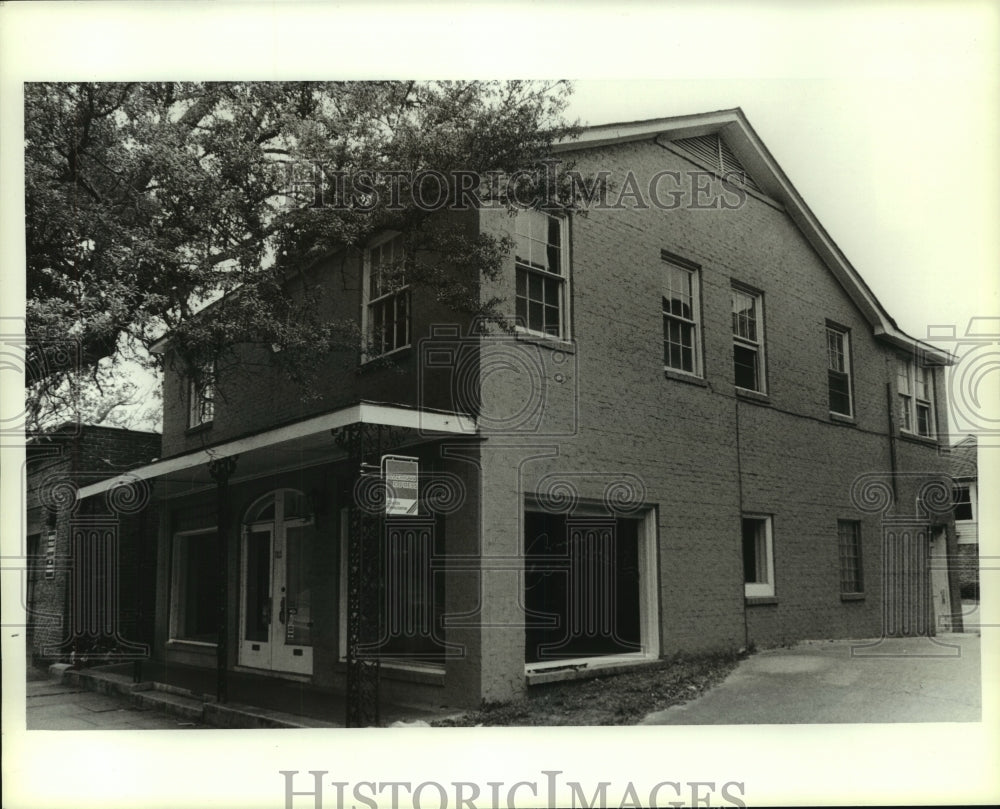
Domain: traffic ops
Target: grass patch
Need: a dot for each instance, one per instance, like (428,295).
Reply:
(617,699)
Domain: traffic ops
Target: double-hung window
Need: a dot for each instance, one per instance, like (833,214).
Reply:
(541,273)
(681,338)
(838,352)
(758,556)
(849,543)
(915,384)
(201,396)
(963,504)
(748,339)
(387,298)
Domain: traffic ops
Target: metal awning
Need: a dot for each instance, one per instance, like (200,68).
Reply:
(292,446)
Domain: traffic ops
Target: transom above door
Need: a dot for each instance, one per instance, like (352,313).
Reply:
(276,628)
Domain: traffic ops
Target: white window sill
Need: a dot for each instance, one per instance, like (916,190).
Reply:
(426,673)
(582,668)
(754,396)
(370,362)
(546,340)
(916,438)
(842,418)
(760,600)
(684,376)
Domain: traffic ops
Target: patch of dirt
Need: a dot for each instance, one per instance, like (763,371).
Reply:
(618,699)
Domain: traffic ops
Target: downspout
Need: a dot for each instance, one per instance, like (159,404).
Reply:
(893,449)
(739,495)
(954,590)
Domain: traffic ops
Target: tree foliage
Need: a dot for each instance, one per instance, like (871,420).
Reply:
(146,201)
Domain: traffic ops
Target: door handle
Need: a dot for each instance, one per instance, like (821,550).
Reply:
(281,611)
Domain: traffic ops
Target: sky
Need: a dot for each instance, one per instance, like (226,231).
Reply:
(883,115)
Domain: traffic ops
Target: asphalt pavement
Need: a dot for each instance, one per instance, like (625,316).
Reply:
(888,680)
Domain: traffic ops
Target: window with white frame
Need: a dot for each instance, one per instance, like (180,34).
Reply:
(413,611)
(387,298)
(194,613)
(541,262)
(915,384)
(589,586)
(849,547)
(838,352)
(681,308)
(201,397)
(962,499)
(758,556)
(748,339)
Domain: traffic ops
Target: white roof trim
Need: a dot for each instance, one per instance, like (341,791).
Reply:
(365,413)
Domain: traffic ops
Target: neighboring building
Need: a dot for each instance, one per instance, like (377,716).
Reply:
(91,565)
(965,471)
(694,440)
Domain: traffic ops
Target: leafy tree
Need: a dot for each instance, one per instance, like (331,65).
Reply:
(144,202)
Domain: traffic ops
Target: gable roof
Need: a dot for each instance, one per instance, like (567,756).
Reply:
(964,461)
(739,140)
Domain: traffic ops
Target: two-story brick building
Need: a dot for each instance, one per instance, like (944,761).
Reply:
(694,439)
(91,567)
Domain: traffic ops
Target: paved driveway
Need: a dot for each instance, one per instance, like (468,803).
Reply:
(892,680)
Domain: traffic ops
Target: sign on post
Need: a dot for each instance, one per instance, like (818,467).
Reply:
(401,474)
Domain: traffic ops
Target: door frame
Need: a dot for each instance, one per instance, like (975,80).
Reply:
(275,663)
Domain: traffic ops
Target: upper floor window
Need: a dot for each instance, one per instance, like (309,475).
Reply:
(838,351)
(748,339)
(542,270)
(386,313)
(681,307)
(916,397)
(201,397)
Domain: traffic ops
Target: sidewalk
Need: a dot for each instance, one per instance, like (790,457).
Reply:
(887,680)
(107,698)
(51,705)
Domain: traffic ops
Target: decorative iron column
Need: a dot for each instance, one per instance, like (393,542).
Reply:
(221,469)
(365,444)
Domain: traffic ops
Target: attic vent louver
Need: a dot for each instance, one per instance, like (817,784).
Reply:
(712,150)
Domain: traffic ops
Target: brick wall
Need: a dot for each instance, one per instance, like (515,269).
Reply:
(254,393)
(57,467)
(600,409)
(703,454)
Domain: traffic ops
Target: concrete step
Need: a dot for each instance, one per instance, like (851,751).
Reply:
(173,704)
(177,701)
(236,715)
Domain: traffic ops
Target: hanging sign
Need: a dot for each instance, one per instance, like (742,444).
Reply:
(401,474)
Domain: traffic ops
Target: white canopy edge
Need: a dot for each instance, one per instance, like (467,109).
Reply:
(363,413)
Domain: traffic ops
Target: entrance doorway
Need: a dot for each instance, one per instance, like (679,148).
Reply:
(275,587)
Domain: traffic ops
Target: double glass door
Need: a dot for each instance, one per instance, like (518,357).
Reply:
(276,628)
